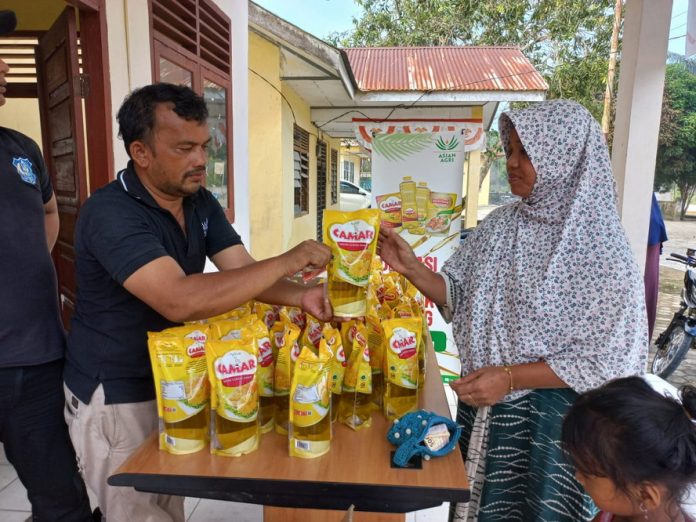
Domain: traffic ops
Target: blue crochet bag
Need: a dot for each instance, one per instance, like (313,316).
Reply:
(409,433)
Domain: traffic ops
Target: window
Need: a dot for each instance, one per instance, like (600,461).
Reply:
(349,171)
(197,53)
(300,145)
(334,177)
(349,188)
(321,187)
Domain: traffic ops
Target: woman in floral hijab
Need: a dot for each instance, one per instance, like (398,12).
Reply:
(546,301)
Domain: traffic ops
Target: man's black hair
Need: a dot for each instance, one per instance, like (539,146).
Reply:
(136,117)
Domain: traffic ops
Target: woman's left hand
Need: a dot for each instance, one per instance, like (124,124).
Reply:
(484,387)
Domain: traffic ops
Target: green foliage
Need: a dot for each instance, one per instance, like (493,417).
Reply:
(399,146)
(568,41)
(676,151)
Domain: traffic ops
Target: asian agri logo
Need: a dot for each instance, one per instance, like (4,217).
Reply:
(236,368)
(446,148)
(354,236)
(403,343)
(197,348)
(265,352)
(391,204)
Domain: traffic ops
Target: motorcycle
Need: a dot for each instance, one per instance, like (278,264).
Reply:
(674,343)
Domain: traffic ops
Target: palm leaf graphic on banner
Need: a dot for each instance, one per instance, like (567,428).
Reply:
(399,146)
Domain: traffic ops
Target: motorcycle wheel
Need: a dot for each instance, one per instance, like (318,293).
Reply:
(672,350)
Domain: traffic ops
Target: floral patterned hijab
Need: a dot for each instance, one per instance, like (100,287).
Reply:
(552,277)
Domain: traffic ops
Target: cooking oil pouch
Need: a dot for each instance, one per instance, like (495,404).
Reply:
(352,237)
(181,383)
(266,313)
(403,309)
(331,340)
(264,374)
(294,315)
(440,211)
(311,335)
(402,339)
(347,300)
(288,351)
(310,404)
(390,292)
(389,206)
(348,331)
(375,343)
(355,408)
(230,329)
(235,399)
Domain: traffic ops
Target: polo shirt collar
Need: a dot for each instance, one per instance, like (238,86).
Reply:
(131,184)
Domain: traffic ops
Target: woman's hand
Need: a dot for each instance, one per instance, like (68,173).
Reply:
(484,387)
(396,252)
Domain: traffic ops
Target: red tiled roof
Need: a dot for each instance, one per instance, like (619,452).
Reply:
(443,69)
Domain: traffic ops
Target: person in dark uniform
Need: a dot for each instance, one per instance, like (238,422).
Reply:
(32,339)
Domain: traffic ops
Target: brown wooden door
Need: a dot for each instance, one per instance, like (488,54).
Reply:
(59,81)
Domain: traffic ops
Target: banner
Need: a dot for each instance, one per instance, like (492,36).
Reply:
(417,172)
(690,48)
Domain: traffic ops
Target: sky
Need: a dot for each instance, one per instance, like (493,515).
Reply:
(318,17)
(323,17)
(677,31)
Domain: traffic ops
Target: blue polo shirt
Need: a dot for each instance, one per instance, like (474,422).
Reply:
(31,332)
(120,229)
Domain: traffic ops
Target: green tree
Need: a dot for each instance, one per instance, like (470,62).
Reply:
(676,150)
(568,41)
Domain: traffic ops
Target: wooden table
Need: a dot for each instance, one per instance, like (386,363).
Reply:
(356,471)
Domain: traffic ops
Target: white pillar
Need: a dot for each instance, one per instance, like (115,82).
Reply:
(472,189)
(638,109)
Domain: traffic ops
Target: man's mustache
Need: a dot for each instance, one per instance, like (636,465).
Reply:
(195,172)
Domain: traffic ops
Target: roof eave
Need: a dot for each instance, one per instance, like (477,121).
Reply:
(445,97)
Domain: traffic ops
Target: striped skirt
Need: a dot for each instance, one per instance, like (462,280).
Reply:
(515,464)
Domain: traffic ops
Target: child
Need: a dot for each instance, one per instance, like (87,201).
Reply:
(634,450)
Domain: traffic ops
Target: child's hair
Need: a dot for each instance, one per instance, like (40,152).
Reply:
(629,433)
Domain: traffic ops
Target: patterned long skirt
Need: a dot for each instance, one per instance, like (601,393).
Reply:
(516,467)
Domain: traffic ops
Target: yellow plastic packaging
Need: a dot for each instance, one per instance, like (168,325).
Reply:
(409,207)
(235,399)
(264,373)
(288,351)
(269,314)
(375,343)
(310,422)
(331,340)
(402,339)
(352,237)
(355,408)
(294,315)
(311,335)
(181,383)
(230,329)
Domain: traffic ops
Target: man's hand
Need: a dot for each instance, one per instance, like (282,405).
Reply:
(396,252)
(315,301)
(308,254)
(484,387)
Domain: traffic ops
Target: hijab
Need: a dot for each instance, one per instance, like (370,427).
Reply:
(552,277)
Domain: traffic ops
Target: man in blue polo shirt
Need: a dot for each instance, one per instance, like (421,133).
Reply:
(32,342)
(140,246)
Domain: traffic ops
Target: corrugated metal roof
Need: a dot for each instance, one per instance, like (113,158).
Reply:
(443,69)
